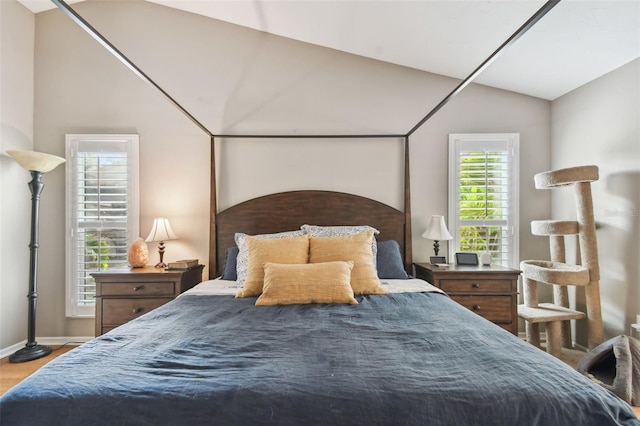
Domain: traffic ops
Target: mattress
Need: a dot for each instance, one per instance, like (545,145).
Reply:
(406,357)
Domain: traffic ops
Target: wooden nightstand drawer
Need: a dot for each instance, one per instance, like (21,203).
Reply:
(489,291)
(476,286)
(493,308)
(119,311)
(123,295)
(138,289)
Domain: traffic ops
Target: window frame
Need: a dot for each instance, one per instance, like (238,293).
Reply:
(107,143)
(510,144)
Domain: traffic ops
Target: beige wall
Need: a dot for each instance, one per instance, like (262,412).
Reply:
(236,80)
(17,26)
(599,123)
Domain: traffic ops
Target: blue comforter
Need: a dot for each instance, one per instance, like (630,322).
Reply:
(397,359)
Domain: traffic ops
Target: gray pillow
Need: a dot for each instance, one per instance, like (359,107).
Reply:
(230,260)
(389,261)
(342,231)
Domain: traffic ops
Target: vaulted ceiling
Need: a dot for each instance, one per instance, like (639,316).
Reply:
(576,42)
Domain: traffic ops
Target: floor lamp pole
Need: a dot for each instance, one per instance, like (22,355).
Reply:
(32,349)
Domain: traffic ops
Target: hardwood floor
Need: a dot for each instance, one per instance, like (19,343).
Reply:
(12,374)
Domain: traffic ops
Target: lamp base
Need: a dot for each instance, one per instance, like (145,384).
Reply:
(29,353)
(436,247)
(161,264)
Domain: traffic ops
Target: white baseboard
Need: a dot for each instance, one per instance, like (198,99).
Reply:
(49,341)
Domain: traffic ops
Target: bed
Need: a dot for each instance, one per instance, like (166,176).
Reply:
(409,356)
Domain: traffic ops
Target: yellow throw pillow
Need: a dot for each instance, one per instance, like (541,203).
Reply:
(357,248)
(327,282)
(261,251)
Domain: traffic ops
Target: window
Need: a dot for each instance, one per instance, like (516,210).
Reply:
(483,195)
(102,212)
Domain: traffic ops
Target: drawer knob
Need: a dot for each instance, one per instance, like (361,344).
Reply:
(138,287)
(137,310)
(476,307)
(475,285)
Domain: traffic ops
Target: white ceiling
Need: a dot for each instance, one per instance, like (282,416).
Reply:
(576,42)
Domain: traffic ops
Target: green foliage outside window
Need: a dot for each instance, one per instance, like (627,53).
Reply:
(481,183)
(96,253)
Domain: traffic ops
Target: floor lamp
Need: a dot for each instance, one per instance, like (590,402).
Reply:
(37,163)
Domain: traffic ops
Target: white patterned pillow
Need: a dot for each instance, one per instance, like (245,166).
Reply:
(343,231)
(243,253)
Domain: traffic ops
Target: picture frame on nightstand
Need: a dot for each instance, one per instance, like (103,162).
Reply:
(467,259)
(437,260)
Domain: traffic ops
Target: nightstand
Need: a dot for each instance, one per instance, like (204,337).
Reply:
(125,294)
(489,291)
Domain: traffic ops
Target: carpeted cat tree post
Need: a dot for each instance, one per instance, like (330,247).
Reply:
(556,272)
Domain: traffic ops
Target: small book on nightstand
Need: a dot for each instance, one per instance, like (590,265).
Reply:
(183,264)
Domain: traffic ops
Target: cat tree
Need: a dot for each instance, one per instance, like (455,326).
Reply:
(557,315)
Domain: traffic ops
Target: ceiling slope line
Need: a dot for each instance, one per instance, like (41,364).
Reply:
(317,136)
(514,37)
(122,58)
(133,67)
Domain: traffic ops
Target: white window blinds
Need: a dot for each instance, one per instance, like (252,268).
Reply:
(483,195)
(102,211)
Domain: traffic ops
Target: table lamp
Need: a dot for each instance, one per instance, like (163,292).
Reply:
(437,231)
(161,231)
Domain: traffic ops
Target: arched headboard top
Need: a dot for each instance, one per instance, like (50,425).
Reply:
(286,211)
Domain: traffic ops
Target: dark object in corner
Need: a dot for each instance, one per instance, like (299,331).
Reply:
(615,364)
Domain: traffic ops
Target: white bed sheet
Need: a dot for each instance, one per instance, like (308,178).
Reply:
(224,287)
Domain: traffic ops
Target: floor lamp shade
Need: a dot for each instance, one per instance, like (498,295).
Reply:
(37,163)
(437,231)
(161,231)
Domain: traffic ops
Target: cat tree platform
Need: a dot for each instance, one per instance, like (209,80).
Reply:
(557,272)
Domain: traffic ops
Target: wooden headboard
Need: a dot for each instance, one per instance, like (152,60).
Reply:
(287,211)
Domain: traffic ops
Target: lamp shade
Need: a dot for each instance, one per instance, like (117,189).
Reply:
(437,229)
(161,230)
(36,161)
